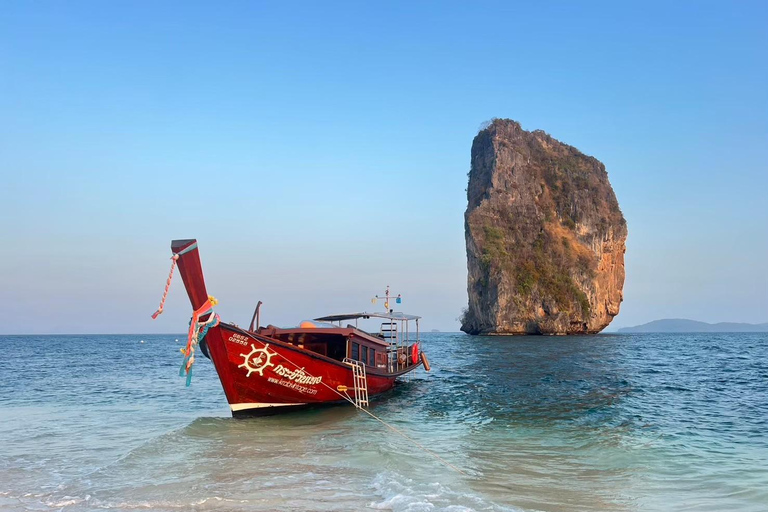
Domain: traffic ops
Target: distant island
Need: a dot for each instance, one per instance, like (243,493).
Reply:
(683,325)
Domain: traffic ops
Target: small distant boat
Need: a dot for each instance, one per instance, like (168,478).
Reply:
(267,370)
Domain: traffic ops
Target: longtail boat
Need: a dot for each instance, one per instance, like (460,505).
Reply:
(267,370)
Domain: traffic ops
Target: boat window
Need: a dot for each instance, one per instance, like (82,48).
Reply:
(337,348)
(372,358)
(364,359)
(329,345)
(355,351)
(319,348)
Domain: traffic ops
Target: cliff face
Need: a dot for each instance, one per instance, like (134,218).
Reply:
(545,237)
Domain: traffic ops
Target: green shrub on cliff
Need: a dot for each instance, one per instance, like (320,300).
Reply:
(493,248)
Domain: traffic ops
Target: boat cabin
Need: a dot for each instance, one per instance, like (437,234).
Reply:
(388,351)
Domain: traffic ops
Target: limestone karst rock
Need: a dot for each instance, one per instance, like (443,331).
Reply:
(545,237)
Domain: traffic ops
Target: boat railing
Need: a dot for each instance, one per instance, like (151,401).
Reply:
(400,343)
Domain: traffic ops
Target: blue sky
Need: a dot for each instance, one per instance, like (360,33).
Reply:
(319,151)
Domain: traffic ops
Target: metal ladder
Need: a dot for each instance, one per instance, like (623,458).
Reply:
(388,330)
(361,382)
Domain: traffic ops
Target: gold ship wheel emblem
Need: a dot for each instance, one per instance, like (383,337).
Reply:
(257,360)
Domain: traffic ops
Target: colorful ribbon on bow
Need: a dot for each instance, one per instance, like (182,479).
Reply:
(197,331)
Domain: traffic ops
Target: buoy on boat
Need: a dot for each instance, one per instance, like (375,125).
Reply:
(415,353)
(425,361)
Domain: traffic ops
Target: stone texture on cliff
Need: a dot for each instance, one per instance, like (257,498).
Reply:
(545,237)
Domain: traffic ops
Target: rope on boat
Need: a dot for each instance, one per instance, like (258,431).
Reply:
(405,436)
(159,311)
(391,427)
(197,331)
(174,259)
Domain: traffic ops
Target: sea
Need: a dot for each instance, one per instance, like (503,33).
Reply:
(620,422)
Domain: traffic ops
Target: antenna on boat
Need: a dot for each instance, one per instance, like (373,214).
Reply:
(398,299)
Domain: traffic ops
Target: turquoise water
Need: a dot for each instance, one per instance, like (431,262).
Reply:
(609,422)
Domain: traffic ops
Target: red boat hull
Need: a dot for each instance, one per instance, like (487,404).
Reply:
(262,375)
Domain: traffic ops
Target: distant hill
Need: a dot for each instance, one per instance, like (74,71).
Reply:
(683,325)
